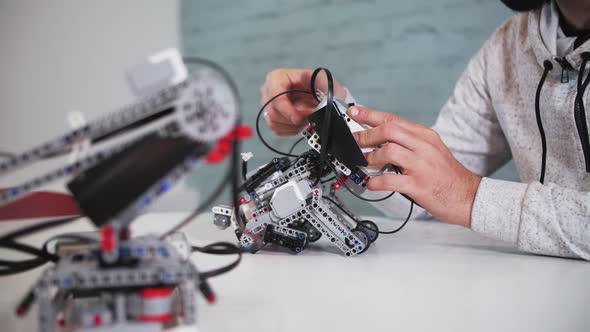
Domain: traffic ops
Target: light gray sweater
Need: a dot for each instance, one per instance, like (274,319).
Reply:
(490,119)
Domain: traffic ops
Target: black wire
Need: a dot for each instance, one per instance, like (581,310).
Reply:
(23,266)
(325,128)
(235,180)
(244,170)
(359,196)
(17,264)
(14,267)
(401,226)
(330,179)
(36,228)
(28,249)
(368,227)
(76,237)
(232,175)
(261,111)
(42,255)
(295,145)
(220,248)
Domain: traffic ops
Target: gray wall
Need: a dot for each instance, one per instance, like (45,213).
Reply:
(398,56)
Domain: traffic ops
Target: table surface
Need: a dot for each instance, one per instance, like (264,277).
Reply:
(428,277)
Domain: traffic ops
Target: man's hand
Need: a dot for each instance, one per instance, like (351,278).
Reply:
(287,115)
(431,175)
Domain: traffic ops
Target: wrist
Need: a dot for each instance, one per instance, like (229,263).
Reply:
(470,193)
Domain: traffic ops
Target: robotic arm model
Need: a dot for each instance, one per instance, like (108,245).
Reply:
(284,202)
(119,282)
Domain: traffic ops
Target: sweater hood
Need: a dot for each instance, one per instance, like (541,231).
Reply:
(539,32)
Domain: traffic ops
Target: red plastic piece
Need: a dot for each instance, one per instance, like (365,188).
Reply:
(107,235)
(151,293)
(156,318)
(40,204)
(337,185)
(21,311)
(224,145)
(211,298)
(97,320)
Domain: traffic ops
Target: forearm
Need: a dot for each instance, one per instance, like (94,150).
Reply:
(542,219)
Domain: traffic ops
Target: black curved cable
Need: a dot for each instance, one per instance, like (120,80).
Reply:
(368,227)
(295,145)
(261,111)
(359,196)
(42,255)
(35,228)
(233,177)
(220,248)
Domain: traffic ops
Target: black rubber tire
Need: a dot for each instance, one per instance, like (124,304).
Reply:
(370,229)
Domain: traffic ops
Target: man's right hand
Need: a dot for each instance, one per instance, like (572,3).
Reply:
(287,115)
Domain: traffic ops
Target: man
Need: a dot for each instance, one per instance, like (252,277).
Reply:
(521,97)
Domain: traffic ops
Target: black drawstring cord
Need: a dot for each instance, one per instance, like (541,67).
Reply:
(580,112)
(548,66)
(565,69)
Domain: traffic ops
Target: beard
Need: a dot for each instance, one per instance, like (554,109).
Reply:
(524,5)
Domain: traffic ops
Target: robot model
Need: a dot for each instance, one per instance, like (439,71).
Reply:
(117,282)
(284,202)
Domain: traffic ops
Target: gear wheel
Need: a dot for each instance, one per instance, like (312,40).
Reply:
(206,110)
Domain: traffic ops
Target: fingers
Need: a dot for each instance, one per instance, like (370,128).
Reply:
(375,118)
(283,129)
(280,126)
(274,116)
(370,117)
(391,153)
(278,81)
(391,182)
(385,133)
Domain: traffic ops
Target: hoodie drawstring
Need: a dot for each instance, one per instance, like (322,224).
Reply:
(548,66)
(580,112)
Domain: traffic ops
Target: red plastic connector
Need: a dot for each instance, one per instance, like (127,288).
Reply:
(108,241)
(224,145)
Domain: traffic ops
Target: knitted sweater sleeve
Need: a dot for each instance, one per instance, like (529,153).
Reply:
(543,219)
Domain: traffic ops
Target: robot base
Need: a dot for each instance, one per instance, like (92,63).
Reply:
(150,288)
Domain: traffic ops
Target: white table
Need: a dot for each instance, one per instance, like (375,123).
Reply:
(428,277)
